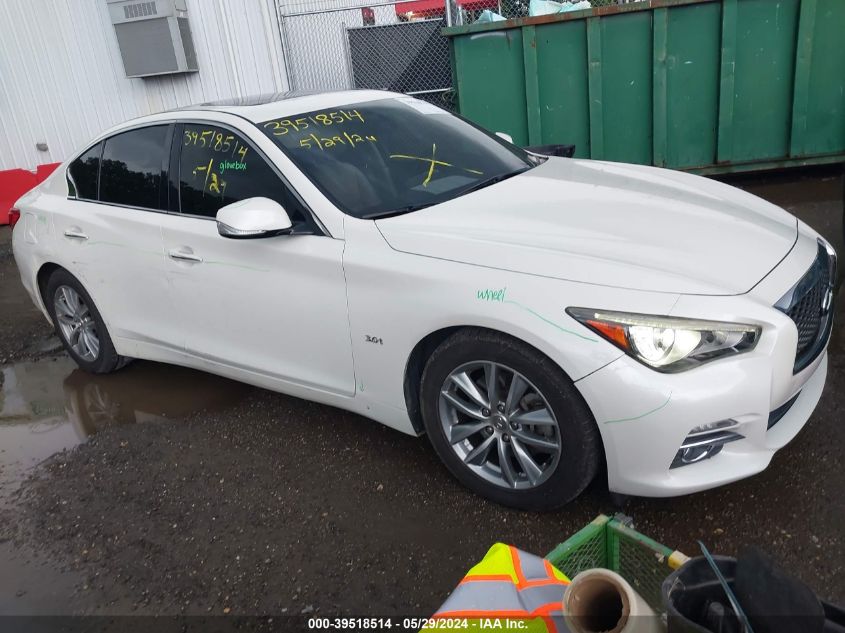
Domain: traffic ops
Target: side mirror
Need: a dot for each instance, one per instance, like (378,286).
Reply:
(253,218)
(505,137)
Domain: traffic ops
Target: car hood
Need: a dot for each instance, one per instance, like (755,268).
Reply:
(607,223)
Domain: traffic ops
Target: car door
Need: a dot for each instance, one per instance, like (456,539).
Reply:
(109,234)
(274,306)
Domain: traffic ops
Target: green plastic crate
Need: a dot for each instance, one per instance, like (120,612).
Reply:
(611,544)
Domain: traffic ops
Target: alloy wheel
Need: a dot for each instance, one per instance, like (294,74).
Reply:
(76,323)
(500,425)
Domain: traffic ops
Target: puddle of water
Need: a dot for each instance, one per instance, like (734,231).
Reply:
(51,405)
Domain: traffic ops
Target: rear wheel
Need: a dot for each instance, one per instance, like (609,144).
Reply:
(79,325)
(507,422)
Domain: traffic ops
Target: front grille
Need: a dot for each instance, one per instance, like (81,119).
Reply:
(807,315)
(810,306)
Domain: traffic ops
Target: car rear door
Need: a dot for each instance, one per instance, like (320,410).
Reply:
(109,234)
(271,306)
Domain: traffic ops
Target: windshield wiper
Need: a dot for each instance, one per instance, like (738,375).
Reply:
(492,181)
(394,212)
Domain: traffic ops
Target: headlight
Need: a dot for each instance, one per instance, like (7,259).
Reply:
(668,344)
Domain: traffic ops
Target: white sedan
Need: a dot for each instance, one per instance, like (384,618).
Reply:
(537,317)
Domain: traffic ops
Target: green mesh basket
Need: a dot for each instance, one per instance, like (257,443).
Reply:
(611,544)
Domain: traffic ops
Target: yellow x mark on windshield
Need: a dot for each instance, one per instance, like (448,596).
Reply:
(432,162)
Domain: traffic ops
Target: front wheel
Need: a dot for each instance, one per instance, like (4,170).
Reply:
(507,422)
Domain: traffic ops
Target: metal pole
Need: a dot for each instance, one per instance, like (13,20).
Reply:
(349,69)
(289,62)
(278,80)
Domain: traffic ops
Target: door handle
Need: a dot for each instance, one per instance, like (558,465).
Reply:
(184,256)
(76,233)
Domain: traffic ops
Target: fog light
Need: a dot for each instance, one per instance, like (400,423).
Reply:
(695,454)
(705,441)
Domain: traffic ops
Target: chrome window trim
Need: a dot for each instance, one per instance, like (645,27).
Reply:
(123,206)
(69,176)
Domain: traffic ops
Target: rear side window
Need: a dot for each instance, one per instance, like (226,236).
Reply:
(217,167)
(132,167)
(84,172)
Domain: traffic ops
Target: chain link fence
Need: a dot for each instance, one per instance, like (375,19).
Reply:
(345,44)
(398,46)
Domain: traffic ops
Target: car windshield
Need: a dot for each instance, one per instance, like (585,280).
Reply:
(394,155)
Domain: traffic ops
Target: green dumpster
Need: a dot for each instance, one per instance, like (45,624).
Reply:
(703,85)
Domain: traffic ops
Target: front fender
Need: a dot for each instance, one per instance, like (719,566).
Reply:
(396,299)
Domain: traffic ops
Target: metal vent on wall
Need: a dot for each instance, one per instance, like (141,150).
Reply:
(154,37)
(139,10)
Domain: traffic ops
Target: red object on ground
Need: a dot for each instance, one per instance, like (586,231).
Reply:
(436,7)
(16,182)
(14,216)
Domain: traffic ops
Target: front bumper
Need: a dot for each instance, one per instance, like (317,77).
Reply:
(644,416)
(642,439)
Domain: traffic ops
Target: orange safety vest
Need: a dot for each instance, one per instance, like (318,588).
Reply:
(509,590)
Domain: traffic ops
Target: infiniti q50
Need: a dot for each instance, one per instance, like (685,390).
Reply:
(538,318)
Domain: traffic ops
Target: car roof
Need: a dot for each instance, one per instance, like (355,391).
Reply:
(258,108)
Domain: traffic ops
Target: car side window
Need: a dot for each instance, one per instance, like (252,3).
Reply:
(218,167)
(85,171)
(132,166)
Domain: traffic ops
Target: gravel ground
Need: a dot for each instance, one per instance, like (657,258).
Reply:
(271,504)
(24,333)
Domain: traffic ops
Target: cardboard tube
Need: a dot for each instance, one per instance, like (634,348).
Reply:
(601,601)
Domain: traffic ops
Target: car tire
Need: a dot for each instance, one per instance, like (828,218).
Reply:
(550,395)
(63,295)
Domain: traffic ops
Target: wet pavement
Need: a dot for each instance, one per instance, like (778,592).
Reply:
(50,405)
(165,490)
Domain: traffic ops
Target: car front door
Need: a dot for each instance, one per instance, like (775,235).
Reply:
(272,306)
(109,234)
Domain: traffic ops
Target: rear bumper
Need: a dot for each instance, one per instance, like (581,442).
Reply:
(642,440)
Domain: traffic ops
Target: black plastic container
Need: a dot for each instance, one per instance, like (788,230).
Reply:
(689,591)
(696,602)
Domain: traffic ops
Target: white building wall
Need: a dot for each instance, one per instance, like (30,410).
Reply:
(62,80)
